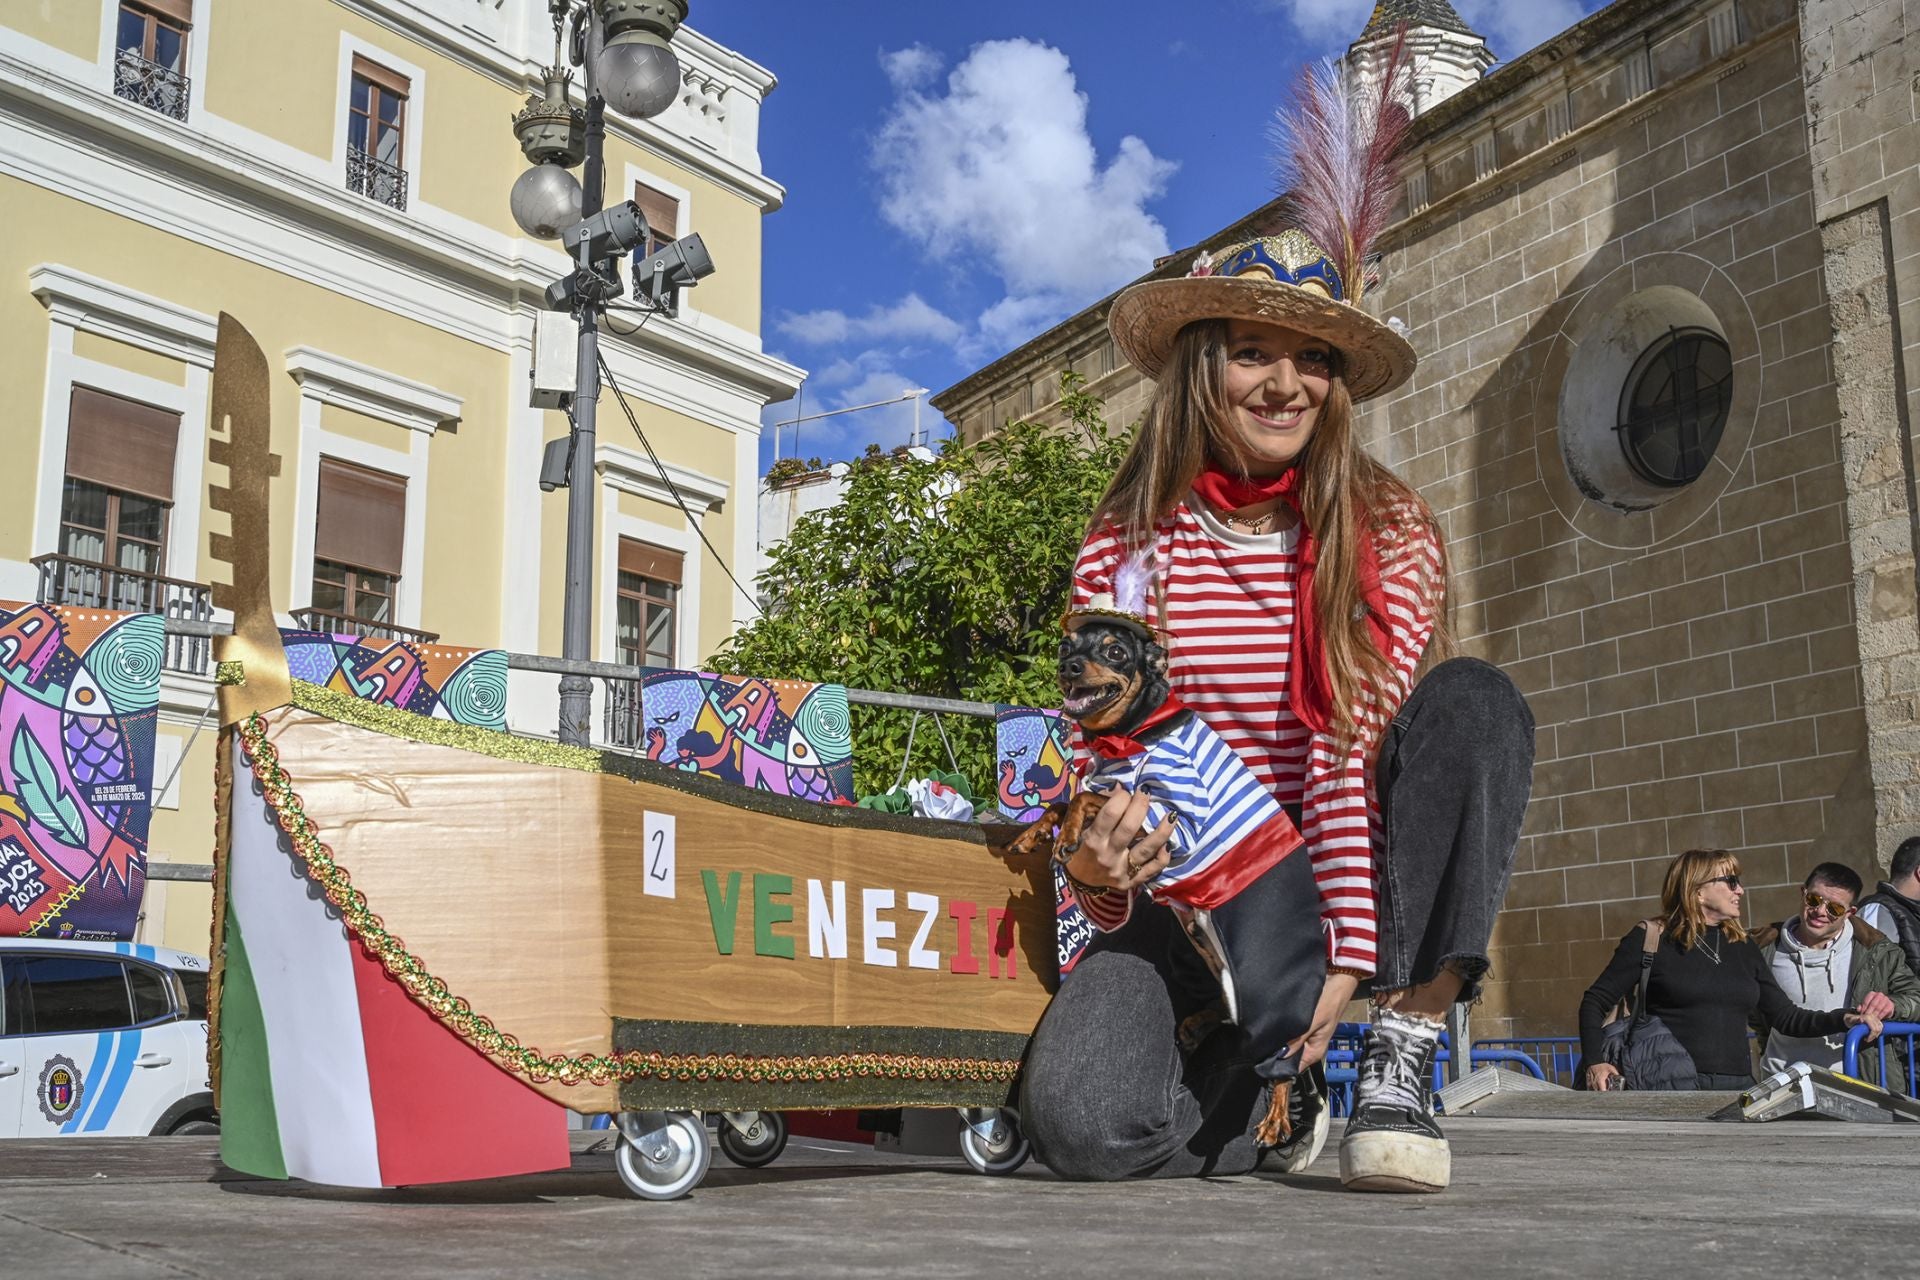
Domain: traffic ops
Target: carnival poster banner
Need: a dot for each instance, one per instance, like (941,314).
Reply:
(467,686)
(789,737)
(1033,768)
(79,706)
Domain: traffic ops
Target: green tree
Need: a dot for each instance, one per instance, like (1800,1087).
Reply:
(945,577)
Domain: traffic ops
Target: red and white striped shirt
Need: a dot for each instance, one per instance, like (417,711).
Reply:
(1230,602)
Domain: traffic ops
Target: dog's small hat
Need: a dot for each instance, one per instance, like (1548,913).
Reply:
(1128,602)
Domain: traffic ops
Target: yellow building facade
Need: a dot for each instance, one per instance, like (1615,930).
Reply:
(334,173)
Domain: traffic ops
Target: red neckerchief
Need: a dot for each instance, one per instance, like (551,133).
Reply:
(1118,746)
(1309,691)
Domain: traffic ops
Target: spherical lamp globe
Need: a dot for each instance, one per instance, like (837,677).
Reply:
(545,201)
(638,75)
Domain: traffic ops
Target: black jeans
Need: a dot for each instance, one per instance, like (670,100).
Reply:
(1107,1092)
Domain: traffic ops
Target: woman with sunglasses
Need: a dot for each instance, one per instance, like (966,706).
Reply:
(1709,980)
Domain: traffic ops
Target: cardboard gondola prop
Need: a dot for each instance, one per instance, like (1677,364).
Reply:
(431,940)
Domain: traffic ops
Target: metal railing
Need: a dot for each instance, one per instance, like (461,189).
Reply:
(1906,1049)
(1556,1056)
(376,179)
(149,84)
(1343,1062)
(85,584)
(311,619)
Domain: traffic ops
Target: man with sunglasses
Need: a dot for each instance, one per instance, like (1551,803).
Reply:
(1827,958)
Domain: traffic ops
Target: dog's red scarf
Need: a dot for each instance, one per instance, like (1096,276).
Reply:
(1309,691)
(1118,746)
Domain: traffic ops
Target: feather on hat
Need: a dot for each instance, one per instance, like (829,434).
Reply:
(1130,601)
(1336,167)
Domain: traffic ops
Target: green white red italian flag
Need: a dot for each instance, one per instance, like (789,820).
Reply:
(329,1070)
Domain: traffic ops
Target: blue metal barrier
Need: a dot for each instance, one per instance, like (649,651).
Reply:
(1907,1033)
(1558,1056)
(1343,1060)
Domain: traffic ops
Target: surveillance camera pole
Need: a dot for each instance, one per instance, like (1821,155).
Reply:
(576,691)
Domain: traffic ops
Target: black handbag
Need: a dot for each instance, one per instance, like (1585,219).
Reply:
(1640,1045)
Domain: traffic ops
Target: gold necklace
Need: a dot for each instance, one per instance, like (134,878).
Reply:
(1253,524)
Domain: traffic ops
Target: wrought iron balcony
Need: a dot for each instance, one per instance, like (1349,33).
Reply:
(622,724)
(84,584)
(376,179)
(345,625)
(153,86)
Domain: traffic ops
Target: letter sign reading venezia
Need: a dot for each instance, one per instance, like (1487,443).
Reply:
(922,932)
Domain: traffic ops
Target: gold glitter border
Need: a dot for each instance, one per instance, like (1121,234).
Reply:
(428,991)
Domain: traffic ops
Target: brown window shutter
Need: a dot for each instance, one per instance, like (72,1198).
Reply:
(362,517)
(181,11)
(661,211)
(121,443)
(392,81)
(650,561)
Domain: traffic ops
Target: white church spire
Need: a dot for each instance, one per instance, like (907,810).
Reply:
(1446,54)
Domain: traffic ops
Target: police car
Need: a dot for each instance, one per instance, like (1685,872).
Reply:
(106,1038)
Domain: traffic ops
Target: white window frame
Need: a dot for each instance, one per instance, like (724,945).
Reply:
(683,218)
(416,112)
(624,470)
(80,303)
(196,57)
(387,397)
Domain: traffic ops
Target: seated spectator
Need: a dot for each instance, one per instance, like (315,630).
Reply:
(1707,982)
(1894,908)
(1825,958)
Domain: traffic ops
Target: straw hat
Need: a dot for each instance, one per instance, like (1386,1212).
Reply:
(1284,280)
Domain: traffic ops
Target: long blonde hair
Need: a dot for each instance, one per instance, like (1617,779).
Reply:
(1341,487)
(1680,895)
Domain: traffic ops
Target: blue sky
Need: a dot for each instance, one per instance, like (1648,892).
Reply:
(962,176)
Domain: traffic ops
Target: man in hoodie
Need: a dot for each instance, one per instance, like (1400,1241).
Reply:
(1894,908)
(1826,958)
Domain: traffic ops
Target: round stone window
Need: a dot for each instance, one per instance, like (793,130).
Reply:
(1674,406)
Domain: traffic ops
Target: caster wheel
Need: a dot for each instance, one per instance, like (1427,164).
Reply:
(992,1142)
(759,1144)
(662,1155)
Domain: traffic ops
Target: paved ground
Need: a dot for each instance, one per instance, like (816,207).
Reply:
(1532,1197)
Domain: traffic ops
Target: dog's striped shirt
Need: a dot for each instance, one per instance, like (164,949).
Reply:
(1227,827)
(1229,614)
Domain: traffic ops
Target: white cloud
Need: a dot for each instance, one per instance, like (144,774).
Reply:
(912,319)
(1000,168)
(912,67)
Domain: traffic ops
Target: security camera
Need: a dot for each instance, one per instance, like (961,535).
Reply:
(555,463)
(659,278)
(608,233)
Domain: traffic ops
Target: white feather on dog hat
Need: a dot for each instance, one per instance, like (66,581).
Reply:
(1336,168)
(1129,602)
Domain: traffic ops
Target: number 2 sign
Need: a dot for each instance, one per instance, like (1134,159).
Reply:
(659,854)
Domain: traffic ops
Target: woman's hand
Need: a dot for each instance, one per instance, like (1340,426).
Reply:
(1871,1021)
(1877,1003)
(1115,851)
(1601,1076)
(1334,998)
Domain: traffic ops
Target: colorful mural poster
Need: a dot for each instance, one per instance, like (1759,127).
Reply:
(1033,768)
(468,686)
(785,736)
(79,706)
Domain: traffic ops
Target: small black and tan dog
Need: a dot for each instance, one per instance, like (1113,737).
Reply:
(1256,925)
(1113,678)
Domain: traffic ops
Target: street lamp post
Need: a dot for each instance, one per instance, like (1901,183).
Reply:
(626,63)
